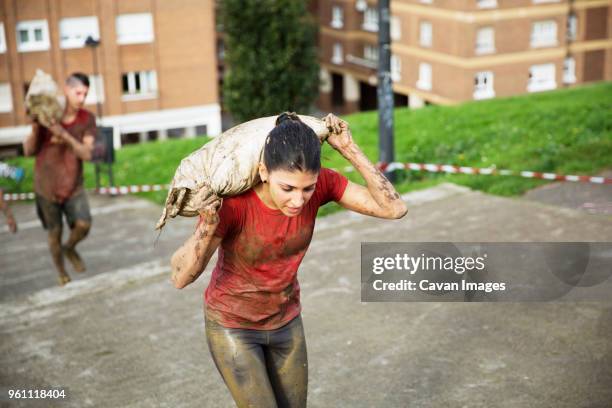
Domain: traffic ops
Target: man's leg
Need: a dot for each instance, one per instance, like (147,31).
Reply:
(50,215)
(79,219)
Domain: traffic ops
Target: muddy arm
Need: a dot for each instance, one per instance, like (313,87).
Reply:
(190,260)
(379,199)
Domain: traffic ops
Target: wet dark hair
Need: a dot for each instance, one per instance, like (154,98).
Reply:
(77,76)
(292,145)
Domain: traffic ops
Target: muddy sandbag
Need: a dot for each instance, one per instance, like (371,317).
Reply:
(224,167)
(43,100)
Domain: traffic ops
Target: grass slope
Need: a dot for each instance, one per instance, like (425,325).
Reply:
(566,131)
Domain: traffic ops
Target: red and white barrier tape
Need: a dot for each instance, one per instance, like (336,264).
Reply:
(122,190)
(449,168)
(433,168)
(119,190)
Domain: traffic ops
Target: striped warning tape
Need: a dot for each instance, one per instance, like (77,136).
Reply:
(449,168)
(433,168)
(121,190)
(118,190)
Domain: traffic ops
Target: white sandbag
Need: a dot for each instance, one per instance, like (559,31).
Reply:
(43,100)
(224,167)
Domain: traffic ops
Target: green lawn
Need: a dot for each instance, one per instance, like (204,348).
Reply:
(566,131)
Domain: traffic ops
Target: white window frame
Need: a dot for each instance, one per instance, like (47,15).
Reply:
(544,33)
(485,40)
(31,26)
(6,98)
(337,54)
(148,85)
(572,27)
(425,76)
(569,70)
(395,28)
(396,68)
(361,5)
(2,39)
(540,80)
(370,19)
(483,4)
(71,37)
(337,20)
(124,23)
(483,85)
(96,90)
(370,52)
(425,34)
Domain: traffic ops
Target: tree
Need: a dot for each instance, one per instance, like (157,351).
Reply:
(271,57)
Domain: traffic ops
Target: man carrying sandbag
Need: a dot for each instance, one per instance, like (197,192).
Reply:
(60,148)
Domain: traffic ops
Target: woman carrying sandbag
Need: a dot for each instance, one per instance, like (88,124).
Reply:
(253,324)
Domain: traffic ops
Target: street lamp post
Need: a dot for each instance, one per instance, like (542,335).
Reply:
(385,88)
(104,146)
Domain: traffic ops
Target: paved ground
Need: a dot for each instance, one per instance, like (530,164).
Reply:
(120,335)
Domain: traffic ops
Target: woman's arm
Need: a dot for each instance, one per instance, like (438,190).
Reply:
(190,260)
(379,199)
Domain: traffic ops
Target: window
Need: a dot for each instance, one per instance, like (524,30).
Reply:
(486,3)
(74,31)
(6,98)
(361,5)
(483,85)
(370,52)
(139,84)
(541,78)
(337,17)
(338,54)
(2,39)
(396,68)
(424,81)
(426,1)
(544,33)
(96,90)
(425,34)
(395,28)
(572,27)
(135,28)
(32,35)
(569,70)
(485,40)
(370,19)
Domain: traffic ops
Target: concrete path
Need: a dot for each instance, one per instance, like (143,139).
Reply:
(121,336)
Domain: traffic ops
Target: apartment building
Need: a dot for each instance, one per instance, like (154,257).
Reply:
(153,74)
(451,51)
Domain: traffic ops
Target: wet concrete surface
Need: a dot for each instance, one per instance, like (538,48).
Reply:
(121,336)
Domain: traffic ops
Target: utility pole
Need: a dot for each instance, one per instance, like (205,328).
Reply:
(385,88)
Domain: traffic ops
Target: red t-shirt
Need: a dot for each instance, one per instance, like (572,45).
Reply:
(254,284)
(58,173)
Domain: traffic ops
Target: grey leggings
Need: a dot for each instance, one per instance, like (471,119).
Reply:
(261,368)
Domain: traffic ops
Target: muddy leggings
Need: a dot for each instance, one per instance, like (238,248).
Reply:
(261,368)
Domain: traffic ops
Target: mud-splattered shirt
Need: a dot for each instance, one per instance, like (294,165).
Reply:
(254,284)
(58,171)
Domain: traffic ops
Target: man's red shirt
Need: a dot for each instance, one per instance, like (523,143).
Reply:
(58,171)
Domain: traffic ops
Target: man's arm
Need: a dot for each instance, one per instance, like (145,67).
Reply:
(10,220)
(30,144)
(82,150)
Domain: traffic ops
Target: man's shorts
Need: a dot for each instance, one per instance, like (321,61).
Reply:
(50,213)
